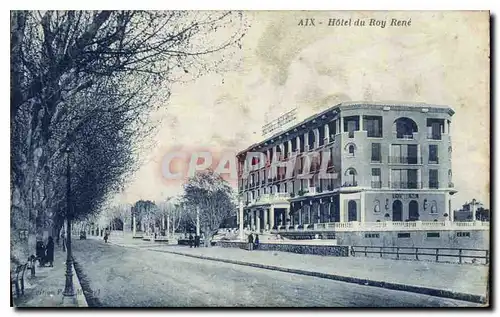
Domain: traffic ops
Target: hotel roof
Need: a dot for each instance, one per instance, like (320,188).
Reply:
(357,104)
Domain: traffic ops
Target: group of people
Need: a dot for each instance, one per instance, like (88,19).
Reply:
(253,243)
(45,253)
(194,241)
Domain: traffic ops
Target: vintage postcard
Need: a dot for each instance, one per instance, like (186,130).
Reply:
(250,158)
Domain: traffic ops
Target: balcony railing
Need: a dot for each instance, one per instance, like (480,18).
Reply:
(434,136)
(405,159)
(433,160)
(405,185)
(433,184)
(350,183)
(376,184)
(398,226)
(312,191)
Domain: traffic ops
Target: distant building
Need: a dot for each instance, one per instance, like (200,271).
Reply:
(467,211)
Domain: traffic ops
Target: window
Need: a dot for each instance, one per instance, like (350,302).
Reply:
(372,235)
(376,153)
(405,179)
(435,128)
(376,179)
(432,234)
(404,128)
(373,126)
(351,124)
(463,234)
(404,235)
(433,154)
(351,149)
(433,178)
(350,177)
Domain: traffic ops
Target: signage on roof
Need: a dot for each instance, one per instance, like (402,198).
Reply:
(280,123)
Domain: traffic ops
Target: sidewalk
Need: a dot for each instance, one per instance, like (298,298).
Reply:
(46,288)
(463,282)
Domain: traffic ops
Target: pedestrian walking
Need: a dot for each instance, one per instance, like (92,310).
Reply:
(250,242)
(256,242)
(197,241)
(106,237)
(190,240)
(49,252)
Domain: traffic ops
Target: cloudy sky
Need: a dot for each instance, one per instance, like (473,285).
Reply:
(441,58)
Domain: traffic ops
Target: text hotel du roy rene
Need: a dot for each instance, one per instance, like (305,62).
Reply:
(347,22)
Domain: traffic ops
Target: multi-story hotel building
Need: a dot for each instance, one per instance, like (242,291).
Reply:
(387,162)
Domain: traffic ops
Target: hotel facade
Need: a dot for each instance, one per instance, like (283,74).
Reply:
(352,165)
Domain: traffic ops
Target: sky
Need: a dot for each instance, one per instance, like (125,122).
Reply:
(440,58)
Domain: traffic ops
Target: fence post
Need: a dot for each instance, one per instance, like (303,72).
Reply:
(397,253)
(437,255)
(380,251)
(460,256)
(366,254)
(416,254)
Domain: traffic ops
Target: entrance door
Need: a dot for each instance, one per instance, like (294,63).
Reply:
(413,210)
(352,212)
(397,211)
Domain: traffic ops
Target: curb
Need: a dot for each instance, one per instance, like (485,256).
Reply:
(82,280)
(393,286)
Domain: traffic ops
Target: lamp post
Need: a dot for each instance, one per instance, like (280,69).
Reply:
(69,297)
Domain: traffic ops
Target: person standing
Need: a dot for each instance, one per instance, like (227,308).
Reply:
(197,241)
(250,242)
(49,252)
(106,237)
(256,242)
(190,240)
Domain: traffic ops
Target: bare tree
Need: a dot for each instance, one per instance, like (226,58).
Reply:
(87,81)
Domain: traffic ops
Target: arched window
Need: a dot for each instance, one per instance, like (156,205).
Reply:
(413,210)
(350,149)
(397,210)
(405,127)
(350,176)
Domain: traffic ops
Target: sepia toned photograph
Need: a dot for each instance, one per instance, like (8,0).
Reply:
(278,159)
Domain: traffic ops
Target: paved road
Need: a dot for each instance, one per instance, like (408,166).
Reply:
(122,276)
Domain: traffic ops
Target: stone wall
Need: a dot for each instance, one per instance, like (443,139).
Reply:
(329,250)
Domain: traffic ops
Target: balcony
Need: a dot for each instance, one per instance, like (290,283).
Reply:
(350,183)
(312,191)
(377,184)
(433,160)
(434,136)
(433,184)
(405,159)
(405,185)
